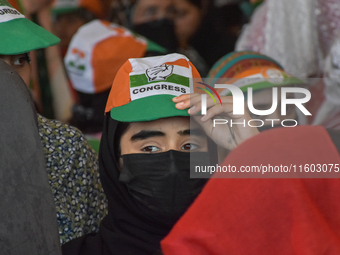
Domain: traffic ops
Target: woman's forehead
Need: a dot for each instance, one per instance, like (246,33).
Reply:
(165,124)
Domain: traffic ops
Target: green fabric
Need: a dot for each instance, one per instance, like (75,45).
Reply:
(95,144)
(152,46)
(141,79)
(267,84)
(63,10)
(5,3)
(22,35)
(147,109)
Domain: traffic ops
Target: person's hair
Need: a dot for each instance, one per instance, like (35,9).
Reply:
(120,11)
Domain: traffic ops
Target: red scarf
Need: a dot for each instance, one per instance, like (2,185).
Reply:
(266,216)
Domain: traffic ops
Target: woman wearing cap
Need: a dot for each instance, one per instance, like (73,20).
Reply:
(95,54)
(144,160)
(71,163)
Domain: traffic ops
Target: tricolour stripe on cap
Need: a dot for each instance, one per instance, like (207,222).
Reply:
(91,40)
(168,75)
(141,79)
(8,13)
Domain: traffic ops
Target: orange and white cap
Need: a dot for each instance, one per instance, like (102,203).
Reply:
(144,87)
(96,53)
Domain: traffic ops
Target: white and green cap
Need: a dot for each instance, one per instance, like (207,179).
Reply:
(20,35)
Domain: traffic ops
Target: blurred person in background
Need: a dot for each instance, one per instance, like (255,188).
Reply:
(153,19)
(188,20)
(328,115)
(201,35)
(95,54)
(298,34)
(71,164)
(70,15)
(48,84)
(184,26)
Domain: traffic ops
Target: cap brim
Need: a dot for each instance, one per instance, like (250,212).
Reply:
(22,35)
(147,109)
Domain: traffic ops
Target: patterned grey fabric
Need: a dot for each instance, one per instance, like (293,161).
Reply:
(28,223)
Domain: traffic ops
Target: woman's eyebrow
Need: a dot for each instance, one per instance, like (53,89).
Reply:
(145,134)
(195,131)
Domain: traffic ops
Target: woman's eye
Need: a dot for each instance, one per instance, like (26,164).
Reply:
(19,61)
(189,147)
(150,149)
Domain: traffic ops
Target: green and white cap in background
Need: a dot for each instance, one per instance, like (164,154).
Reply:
(20,35)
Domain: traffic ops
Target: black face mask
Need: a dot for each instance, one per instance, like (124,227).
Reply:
(161,32)
(161,181)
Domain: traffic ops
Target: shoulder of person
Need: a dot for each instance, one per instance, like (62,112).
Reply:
(56,132)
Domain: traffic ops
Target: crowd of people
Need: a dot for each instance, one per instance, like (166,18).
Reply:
(153,90)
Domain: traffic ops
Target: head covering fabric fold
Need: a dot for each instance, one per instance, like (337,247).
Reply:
(266,216)
(28,218)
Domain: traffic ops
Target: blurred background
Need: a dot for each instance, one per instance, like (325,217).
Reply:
(300,35)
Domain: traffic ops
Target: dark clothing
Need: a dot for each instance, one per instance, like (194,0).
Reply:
(28,223)
(88,113)
(129,227)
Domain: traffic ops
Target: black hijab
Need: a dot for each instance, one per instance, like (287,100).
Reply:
(129,227)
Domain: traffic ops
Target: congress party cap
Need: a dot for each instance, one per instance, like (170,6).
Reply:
(20,35)
(249,69)
(144,87)
(96,53)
